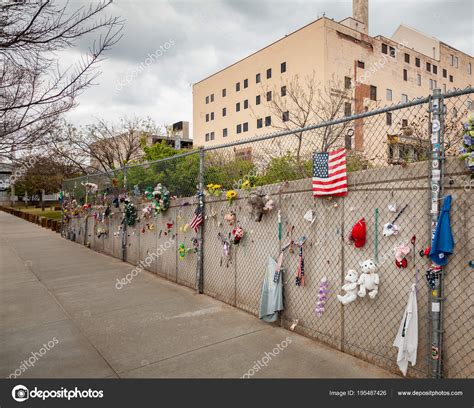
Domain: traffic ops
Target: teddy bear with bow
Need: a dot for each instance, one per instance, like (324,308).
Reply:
(369,279)
(350,287)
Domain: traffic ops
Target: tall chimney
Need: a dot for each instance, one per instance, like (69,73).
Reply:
(360,12)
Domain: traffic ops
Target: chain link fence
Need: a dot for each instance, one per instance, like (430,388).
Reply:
(261,188)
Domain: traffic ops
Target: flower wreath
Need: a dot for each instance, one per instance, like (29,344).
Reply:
(130,214)
(160,198)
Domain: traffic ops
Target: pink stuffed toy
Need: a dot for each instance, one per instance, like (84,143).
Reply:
(322,296)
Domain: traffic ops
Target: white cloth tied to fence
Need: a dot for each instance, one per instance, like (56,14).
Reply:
(271,301)
(407,336)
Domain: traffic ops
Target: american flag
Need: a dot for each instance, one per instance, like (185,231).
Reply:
(329,173)
(197,219)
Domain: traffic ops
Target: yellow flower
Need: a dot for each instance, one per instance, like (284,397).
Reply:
(246,184)
(230,195)
(210,186)
(217,186)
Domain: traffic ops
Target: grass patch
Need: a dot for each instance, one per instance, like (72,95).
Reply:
(48,213)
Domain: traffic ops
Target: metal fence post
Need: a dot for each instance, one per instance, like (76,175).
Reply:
(437,193)
(200,255)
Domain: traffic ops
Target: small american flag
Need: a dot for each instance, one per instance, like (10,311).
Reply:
(197,219)
(329,173)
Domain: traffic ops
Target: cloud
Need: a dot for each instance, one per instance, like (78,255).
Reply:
(210,35)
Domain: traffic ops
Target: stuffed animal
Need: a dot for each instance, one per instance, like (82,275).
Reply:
(260,204)
(369,279)
(230,218)
(322,296)
(350,288)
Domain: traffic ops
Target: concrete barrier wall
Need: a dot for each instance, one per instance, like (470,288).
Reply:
(365,328)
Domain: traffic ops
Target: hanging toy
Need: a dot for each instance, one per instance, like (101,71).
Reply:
(358,233)
(369,279)
(260,204)
(226,250)
(322,296)
(182,250)
(237,234)
(300,271)
(230,218)
(401,252)
(350,287)
(195,242)
(390,228)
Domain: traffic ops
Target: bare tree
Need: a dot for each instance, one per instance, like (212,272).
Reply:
(301,102)
(102,146)
(34,90)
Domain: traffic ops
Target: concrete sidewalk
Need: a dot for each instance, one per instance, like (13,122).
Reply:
(56,291)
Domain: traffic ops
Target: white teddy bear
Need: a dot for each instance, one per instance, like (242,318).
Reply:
(350,287)
(369,279)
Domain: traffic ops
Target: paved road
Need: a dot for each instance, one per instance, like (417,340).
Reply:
(60,311)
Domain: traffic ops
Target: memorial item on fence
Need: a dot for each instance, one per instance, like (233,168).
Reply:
(91,188)
(407,335)
(329,173)
(197,219)
(230,196)
(226,257)
(401,251)
(390,228)
(369,279)
(299,281)
(182,250)
(130,216)
(230,218)
(214,190)
(147,212)
(349,287)
(161,199)
(237,234)
(442,244)
(358,233)
(260,203)
(322,296)
(271,297)
(467,149)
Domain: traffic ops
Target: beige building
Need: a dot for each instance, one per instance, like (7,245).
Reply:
(229,105)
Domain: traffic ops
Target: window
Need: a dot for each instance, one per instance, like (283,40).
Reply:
(405,75)
(360,64)
(212,97)
(257,78)
(224,93)
(269,73)
(283,67)
(212,115)
(283,91)
(246,127)
(469,68)
(257,100)
(445,73)
(384,48)
(207,117)
(286,116)
(224,132)
(347,82)
(389,94)
(428,67)
(431,84)
(373,93)
(207,137)
(451,79)
(444,88)
(246,104)
(246,83)
(404,98)
(435,69)
(407,58)
(418,79)
(268,121)
(237,87)
(237,107)
(456,62)
(269,96)
(259,123)
(224,111)
(388,118)
(212,136)
(207,99)
(451,59)
(417,62)
(392,52)
(239,128)
(347,109)
(404,122)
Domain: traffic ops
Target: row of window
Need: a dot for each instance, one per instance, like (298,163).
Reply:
(258,79)
(258,100)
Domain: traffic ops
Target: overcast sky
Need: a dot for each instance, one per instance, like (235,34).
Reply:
(200,37)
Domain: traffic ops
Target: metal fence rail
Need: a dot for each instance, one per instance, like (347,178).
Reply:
(389,163)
